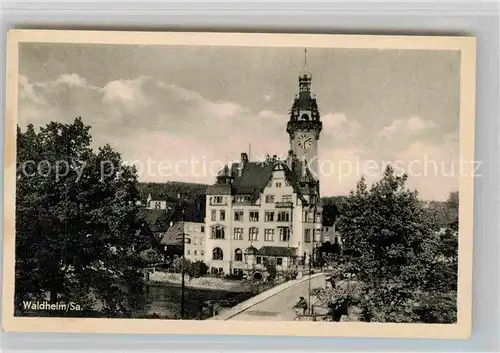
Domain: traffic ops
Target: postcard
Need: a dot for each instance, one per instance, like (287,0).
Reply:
(237,183)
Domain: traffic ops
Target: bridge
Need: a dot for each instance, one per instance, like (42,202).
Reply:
(275,304)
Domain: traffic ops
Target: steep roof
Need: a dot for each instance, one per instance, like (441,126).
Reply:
(279,251)
(254,177)
(171,237)
(157,220)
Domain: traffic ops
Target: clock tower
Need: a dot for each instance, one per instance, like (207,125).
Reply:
(304,125)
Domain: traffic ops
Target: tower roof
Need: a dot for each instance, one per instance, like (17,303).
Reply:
(304,73)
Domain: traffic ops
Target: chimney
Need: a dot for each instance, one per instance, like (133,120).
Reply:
(243,163)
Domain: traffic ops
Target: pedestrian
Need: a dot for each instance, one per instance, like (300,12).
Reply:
(301,304)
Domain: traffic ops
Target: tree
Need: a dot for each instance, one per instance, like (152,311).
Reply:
(394,250)
(197,269)
(76,220)
(270,266)
(180,263)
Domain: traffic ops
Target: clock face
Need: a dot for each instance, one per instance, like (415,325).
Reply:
(304,141)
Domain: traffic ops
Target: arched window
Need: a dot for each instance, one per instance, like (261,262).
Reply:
(217,232)
(238,255)
(217,254)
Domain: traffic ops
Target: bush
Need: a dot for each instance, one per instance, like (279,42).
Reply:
(270,265)
(178,263)
(234,276)
(197,269)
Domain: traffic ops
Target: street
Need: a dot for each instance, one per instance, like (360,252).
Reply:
(280,306)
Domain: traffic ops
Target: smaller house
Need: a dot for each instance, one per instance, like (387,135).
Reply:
(195,241)
(158,221)
(171,241)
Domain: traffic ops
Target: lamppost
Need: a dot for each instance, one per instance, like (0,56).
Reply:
(182,237)
(309,291)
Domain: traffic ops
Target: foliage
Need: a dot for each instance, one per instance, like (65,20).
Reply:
(179,264)
(151,256)
(171,189)
(270,266)
(192,269)
(339,298)
(77,235)
(197,269)
(391,243)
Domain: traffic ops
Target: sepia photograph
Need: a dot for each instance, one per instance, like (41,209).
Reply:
(320,183)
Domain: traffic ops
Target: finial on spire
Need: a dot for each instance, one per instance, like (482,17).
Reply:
(305,72)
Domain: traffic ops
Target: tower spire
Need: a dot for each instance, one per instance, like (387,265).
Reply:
(305,74)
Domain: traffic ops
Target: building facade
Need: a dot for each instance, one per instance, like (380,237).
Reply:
(194,249)
(271,208)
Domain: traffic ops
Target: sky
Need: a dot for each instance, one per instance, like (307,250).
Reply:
(181,112)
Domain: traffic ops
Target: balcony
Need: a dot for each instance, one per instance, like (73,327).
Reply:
(283,204)
(224,203)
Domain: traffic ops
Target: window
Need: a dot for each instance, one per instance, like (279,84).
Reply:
(222,215)
(217,254)
(269,198)
(203,229)
(268,234)
(259,260)
(238,216)
(238,255)
(221,271)
(157,205)
(253,234)
(318,217)
(317,235)
(238,234)
(283,216)
(279,261)
(309,217)
(287,198)
(254,216)
(202,241)
(195,241)
(326,229)
(307,236)
(218,200)
(217,232)
(202,252)
(195,252)
(278,184)
(284,233)
(189,252)
(213,215)
(242,199)
(269,216)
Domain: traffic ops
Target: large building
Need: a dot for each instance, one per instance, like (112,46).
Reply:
(270,208)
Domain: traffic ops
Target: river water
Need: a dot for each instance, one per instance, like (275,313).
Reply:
(163,300)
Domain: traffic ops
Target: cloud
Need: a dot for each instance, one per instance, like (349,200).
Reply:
(410,126)
(146,119)
(174,133)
